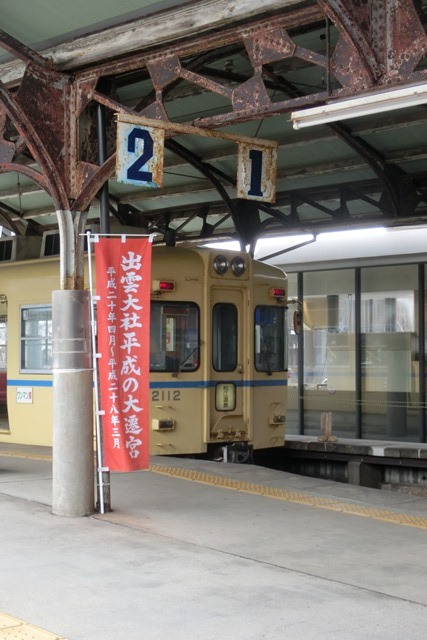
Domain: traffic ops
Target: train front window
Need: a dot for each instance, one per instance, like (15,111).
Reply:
(174,336)
(270,339)
(224,347)
(36,339)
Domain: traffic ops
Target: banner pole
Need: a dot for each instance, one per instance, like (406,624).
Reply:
(99,447)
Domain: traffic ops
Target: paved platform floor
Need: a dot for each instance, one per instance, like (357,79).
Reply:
(202,550)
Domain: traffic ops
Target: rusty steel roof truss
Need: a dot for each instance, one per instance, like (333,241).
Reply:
(48,122)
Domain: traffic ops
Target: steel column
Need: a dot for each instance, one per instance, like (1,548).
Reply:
(358,351)
(422,349)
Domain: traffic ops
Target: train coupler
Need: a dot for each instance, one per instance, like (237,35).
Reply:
(236,452)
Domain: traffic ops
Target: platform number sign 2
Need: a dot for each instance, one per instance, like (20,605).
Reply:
(140,153)
(256,173)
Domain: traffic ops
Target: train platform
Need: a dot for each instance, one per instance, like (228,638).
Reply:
(195,549)
(379,464)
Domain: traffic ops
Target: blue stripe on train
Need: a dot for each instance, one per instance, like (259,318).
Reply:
(175,384)
(206,384)
(29,383)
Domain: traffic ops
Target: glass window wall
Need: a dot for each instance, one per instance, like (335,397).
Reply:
(390,358)
(329,351)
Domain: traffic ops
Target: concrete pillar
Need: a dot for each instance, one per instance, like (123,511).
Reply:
(363,474)
(73,455)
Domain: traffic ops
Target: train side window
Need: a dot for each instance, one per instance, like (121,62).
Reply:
(174,337)
(224,336)
(270,339)
(36,339)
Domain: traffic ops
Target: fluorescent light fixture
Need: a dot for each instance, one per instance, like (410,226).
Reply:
(232,245)
(353,234)
(363,106)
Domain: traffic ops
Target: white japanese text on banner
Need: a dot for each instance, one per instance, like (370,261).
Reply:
(123,273)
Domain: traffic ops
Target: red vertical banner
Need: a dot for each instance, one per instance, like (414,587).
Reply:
(123,276)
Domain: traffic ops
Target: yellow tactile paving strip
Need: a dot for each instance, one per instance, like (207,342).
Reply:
(394,517)
(310,500)
(14,629)
(22,454)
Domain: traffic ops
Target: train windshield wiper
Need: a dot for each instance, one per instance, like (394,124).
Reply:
(267,359)
(188,356)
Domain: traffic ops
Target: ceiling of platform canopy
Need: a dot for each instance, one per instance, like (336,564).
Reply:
(48,23)
(238,70)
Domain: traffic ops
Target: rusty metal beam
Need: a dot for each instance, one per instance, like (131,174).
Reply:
(36,176)
(353,57)
(193,18)
(6,213)
(192,46)
(23,52)
(398,37)
(381,41)
(375,160)
(26,125)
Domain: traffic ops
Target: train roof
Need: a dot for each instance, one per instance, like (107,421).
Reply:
(366,247)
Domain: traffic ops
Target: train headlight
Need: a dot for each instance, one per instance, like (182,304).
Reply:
(220,264)
(238,266)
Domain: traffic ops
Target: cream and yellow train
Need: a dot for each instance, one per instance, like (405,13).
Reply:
(218,362)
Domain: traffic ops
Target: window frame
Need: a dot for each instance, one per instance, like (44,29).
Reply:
(24,341)
(257,354)
(216,327)
(194,349)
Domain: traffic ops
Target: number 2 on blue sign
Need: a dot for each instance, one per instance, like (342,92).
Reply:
(135,171)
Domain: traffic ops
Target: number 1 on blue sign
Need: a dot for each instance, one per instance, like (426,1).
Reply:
(255,156)
(256,172)
(140,155)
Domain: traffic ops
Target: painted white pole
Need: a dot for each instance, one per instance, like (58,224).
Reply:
(103,488)
(73,451)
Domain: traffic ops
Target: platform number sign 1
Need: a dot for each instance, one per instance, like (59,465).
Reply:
(140,152)
(256,172)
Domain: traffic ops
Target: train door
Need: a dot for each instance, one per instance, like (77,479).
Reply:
(269,382)
(4,422)
(229,420)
